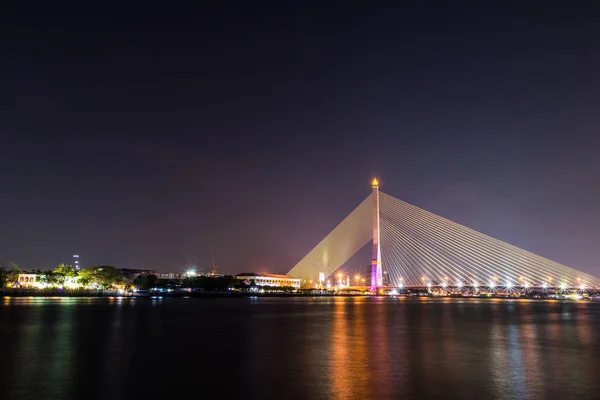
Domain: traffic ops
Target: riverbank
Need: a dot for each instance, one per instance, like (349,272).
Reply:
(236,294)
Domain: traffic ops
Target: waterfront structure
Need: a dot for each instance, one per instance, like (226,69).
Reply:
(263,279)
(33,281)
(28,280)
(419,249)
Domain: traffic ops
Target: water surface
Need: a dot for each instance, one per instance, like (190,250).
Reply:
(298,348)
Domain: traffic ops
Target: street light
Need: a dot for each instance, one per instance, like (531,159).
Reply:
(357,277)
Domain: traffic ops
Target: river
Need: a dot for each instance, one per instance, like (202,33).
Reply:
(298,348)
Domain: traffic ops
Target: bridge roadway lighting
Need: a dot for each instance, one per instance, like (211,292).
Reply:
(544,285)
(563,286)
(508,284)
(582,287)
(475,284)
(492,284)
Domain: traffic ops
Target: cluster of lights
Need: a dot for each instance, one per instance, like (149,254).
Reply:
(509,285)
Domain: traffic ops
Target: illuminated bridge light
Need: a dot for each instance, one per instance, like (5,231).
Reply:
(458,284)
(508,284)
(444,284)
(429,285)
(563,286)
(544,285)
(492,284)
(582,286)
(475,284)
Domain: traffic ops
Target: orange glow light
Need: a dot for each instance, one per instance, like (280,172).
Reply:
(375,182)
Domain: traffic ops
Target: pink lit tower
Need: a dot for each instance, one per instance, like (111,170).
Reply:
(376,276)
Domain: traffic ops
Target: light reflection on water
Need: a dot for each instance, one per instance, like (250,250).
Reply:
(340,348)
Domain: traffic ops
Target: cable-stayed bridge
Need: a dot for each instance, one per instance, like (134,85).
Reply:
(420,249)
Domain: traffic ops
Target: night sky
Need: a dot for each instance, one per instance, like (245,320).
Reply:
(137,137)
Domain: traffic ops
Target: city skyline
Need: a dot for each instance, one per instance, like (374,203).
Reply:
(140,144)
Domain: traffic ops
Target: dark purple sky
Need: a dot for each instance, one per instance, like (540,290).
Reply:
(137,137)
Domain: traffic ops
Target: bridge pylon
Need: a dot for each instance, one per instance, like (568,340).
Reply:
(376,274)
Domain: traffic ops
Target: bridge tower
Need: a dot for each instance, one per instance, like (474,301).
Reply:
(376,275)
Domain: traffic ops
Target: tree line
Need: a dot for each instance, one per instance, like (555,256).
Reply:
(97,277)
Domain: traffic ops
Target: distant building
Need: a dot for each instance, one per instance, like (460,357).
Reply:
(262,279)
(134,273)
(76,265)
(170,275)
(28,280)
(33,281)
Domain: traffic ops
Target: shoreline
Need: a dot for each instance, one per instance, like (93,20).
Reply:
(12,293)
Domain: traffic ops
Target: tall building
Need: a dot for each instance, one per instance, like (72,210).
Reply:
(76,265)
(376,276)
